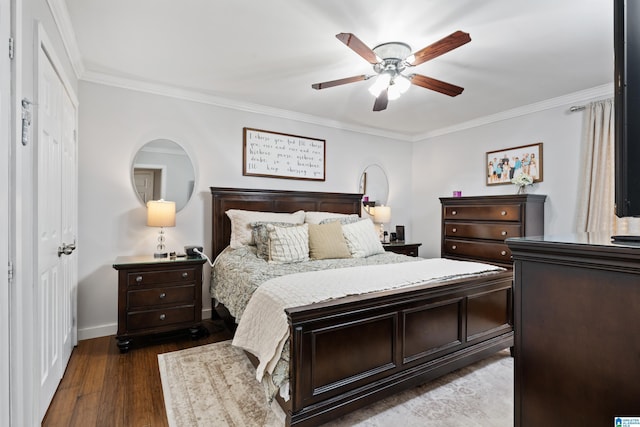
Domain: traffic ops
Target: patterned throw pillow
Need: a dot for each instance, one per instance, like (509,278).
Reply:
(260,236)
(343,220)
(326,241)
(320,217)
(288,244)
(362,239)
(241,223)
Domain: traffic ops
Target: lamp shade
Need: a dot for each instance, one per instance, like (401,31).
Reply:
(382,214)
(161,213)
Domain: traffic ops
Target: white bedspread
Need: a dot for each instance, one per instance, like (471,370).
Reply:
(264,329)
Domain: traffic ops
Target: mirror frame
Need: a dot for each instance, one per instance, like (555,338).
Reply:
(367,205)
(162,170)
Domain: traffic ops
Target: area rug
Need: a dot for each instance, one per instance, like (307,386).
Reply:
(215,385)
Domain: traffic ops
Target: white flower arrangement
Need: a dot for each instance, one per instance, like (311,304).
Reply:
(522,179)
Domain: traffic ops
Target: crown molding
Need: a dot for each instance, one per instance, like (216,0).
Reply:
(65,28)
(195,96)
(598,92)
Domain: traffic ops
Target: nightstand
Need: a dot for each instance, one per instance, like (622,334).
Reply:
(158,295)
(409,249)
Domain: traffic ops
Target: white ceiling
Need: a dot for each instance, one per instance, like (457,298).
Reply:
(266,54)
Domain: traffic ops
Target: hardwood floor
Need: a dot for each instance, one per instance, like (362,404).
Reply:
(102,387)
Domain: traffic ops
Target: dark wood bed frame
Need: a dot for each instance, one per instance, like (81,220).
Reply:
(349,352)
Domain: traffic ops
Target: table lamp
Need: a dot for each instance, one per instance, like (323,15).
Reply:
(382,215)
(161,213)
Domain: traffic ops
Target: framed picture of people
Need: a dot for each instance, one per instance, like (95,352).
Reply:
(502,166)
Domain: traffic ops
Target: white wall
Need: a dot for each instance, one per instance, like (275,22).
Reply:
(456,161)
(115,123)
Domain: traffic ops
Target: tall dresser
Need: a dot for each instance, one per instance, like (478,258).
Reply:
(475,228)
(577,346)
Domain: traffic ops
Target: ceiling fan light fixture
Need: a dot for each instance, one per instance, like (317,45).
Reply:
(402,83)
(381,83)
(392,50)
(394,92)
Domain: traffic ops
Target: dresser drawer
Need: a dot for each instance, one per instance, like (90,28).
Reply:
(143,278)
(160,296)
(497,231)
(159,318)
(498,252)
(485,213)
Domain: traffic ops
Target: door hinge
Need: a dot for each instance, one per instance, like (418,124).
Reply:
(11,48)
(10,271)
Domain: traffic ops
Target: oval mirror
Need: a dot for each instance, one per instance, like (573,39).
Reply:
(162,169)
(374,184)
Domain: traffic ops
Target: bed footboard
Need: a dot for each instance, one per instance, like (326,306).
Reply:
(348,353)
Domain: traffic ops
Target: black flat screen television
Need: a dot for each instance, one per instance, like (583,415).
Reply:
(627,107)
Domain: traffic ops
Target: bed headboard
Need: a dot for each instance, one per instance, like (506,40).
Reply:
(224,199)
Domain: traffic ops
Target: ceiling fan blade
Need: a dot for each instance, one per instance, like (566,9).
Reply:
(441,47)
(339,82)
(381,101)
(437,85)
(358,47)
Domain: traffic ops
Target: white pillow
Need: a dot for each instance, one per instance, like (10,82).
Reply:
(362,239)
(317,217)
(241,223)
(288,244)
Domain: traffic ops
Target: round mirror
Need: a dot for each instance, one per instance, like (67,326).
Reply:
(162,170)
(374,184)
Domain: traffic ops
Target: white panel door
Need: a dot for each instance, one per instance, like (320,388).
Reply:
(5,125)
(49,236)
(69,209)
(57,225)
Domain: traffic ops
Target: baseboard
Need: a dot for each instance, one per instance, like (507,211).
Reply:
(97,331)
(112,328)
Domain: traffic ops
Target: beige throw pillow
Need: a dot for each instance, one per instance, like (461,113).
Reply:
(326,241)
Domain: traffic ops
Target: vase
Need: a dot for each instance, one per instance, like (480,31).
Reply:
(522,189)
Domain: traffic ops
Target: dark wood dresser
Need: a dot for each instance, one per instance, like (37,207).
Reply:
(474,228)
(577,330)
(158,295)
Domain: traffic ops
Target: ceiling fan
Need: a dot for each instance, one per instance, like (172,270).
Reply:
(389,60)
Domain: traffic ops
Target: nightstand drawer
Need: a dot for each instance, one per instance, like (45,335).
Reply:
(160,296)
(143,278)
(159,318)
(476,230)
(498,252)
(479,212)
(408,249)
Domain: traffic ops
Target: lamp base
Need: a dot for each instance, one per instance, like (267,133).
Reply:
(160,255)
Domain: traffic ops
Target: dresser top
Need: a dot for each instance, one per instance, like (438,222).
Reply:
(139,260)
(585,245)
(501,198)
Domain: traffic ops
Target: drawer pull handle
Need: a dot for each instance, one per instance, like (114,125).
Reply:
(454,213)
(504,233)
(162,317)
(503,213)
(139,279)
(163,295)
(503,253)
(185,275)
(454,247)
(454,230)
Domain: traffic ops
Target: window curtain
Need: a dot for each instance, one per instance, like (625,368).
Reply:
(596,201)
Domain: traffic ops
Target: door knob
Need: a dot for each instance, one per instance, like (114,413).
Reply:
(66,249)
